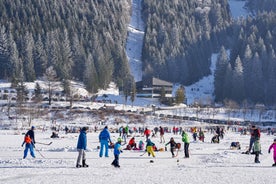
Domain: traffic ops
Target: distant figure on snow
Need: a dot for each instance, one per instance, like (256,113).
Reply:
(29,146)
(185,139)
(104,137)
(172,146)
(117,151)
(81,147)
(29,140)
(273,146)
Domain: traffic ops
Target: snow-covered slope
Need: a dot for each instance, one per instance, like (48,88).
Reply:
(135,41)
(201,91)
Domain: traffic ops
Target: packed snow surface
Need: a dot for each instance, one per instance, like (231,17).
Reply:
(208,162)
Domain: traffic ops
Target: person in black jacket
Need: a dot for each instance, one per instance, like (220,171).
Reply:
(172,145)
(31,134)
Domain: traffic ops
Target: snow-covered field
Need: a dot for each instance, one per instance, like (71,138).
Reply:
(208,163)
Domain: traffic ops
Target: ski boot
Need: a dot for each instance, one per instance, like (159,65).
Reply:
(84,164)
(257,161)
(78,166)
(274,165)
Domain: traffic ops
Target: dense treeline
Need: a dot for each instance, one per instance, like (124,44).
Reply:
(259,6)
(81,39)
(180,37)
(249,75)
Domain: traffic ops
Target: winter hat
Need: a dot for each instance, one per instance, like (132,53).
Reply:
(32,127)
(106,127)
(119,139)
(275,140)
(84,128)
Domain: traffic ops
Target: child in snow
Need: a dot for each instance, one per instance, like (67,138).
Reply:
(141,145)
(273,146)
(172,145)
(82,142)
(29,146)
(257,150)
(117,151)
(201,135)
(149,147)
(132,143)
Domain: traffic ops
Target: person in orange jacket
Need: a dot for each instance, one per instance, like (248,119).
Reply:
(29,146)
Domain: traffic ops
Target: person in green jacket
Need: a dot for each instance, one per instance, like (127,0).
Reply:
(185,139)
(257,150)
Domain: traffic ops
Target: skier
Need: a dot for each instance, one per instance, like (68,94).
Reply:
(81,147)
(273,146)
(117,151)
(29,146)
(185,139)
(172,146)
(104,137)
(149,148)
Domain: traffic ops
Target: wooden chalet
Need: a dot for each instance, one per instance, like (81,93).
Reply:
(152,87)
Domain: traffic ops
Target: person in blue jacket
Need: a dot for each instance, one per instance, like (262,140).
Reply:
(81,147)
(104,137)
(117,151)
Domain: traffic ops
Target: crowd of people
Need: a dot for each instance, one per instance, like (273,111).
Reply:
(126,134)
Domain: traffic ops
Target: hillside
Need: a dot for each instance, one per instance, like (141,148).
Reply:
(91,42)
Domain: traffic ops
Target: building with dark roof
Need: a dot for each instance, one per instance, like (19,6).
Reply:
(152,87)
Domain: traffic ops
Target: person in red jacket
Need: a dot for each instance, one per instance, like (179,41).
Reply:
(132,143)
(147,133)
(162,132)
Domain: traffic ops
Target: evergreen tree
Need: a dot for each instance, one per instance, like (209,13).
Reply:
(50,79)
(257,79)
(4,54)
(180,95)
(40,57)
(38,93)
(133,93)
(221,65)
(28,59)
(238,82)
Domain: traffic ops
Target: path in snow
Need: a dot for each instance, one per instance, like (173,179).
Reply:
(135,41)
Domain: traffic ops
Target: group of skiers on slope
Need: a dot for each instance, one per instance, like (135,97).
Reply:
(104,139)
